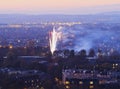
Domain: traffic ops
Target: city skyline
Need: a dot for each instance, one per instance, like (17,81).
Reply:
(58,6)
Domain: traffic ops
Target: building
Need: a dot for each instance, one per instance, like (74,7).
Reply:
(79,79)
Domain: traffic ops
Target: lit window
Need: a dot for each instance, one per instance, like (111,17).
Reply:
(10,46)
(67,87)
(91,82)
(42,88)
(80,82)
(116,64)
(67,82)
(91,87)
(56,79)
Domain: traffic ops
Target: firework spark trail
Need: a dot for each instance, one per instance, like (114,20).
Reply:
(53,40)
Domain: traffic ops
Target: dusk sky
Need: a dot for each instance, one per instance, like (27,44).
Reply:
(58,6)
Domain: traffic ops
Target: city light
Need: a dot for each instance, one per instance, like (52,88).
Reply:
(91,82)
(67,82)
(67,87)
(10,46)
(91,87)
(80,82)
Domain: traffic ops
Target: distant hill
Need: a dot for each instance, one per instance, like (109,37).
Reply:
(112,13)
(21,18)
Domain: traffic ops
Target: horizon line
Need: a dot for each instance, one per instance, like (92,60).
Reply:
(36,14)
